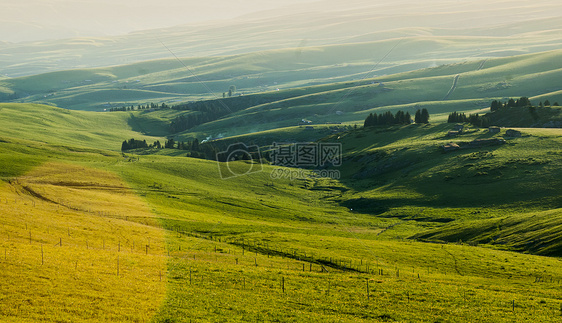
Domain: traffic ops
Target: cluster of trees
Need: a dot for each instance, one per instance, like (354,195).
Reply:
(422,116)
(511,103)
(521,102)
(456,117)
(401,117)
(133,144)
(387,118)
(474,119)
(547,104)
(148,106)
(194,148)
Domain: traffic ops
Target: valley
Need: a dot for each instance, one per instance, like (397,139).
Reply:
(227,172)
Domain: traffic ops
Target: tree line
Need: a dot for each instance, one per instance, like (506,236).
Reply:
(203,111)
(500,106)
(401,117)
(519,103)
(139,144)
(199,112)
(194,148)
(474,119)
(139,107)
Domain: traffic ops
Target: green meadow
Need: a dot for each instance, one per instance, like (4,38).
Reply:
(408,233)
(417,223)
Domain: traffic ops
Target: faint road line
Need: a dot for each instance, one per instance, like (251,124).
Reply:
(455,81)
(482,64)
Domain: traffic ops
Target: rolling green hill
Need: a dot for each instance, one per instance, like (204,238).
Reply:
(169,81)
(416,224)
(531,117)
(476,84)
(259,242)
(538,233)
(69,128)
(442,31)
(397,173)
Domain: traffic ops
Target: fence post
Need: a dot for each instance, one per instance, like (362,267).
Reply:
(368,289)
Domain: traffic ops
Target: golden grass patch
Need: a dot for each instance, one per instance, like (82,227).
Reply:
(78,245)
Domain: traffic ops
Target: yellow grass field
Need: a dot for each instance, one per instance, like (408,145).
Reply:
(75,247)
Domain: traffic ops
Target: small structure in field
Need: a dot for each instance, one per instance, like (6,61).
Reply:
(494,129)
(450,147)
(513,133)
(452,133)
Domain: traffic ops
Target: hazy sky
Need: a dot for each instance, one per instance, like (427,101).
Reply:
(41,19)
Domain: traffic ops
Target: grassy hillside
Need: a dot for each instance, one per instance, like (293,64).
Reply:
(476,84)
(536,232)
(390,156)
(468,87)
(71,253)
(68,128)
(297,78)
(258,247)
(537,117)
(489,29)
(168,80)
(403,230)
